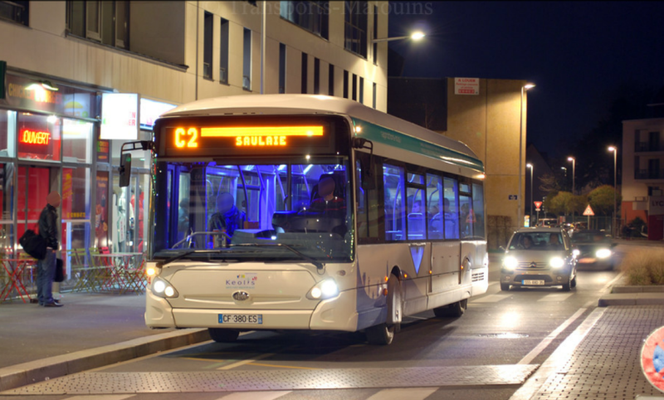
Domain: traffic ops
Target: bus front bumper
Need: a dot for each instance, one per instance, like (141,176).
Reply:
(338,314)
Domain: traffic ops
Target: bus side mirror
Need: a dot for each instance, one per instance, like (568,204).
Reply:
(367,163)
(125,169)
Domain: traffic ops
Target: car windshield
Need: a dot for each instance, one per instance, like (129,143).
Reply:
(590,237)
(269,212)
(537,241)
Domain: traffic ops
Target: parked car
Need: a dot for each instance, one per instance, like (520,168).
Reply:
(594,249)
(539,257)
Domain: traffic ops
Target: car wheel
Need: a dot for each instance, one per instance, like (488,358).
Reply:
(573,283)
(223,335)
(504,287)
(567,287)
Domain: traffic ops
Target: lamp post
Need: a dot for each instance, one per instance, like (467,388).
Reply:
(615,189)
(573,160)
(564,169)
(523,89)
(531,188)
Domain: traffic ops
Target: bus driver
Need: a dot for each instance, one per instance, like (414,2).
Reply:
(328,202)
(227,218)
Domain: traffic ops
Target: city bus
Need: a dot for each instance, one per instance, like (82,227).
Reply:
(308,212)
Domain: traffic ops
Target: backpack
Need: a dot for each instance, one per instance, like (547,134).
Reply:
(33,244)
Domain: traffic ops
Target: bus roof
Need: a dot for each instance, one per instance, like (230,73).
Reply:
(299,104)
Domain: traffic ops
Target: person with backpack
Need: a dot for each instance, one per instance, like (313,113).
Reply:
(48,229)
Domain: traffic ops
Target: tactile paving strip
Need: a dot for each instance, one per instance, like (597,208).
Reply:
(606,365)
(237,381)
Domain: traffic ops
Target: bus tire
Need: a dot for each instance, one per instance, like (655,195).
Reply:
(381,335)
(454,310)
(223,335)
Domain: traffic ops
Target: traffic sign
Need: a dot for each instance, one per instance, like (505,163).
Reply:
(589,211)
(538,204)
(652,358)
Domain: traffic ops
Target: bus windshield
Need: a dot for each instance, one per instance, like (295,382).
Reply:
(242,212)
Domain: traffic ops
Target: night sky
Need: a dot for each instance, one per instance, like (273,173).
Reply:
(577,53)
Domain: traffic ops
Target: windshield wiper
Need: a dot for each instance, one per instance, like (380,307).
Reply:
(161,264)
(312,260)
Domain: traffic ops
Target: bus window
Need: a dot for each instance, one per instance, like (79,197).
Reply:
(416,214)
(451,208)
(395,215)
(478,207)
(467,216)
(183,203)
(435,206)
(415,178)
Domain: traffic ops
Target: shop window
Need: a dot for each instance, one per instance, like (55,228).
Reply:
(7,132)
(77,136)
(478,208)
(7,176)
(395,212)
(39,137)
(330,80)
(282,68)
(305,65)
(355,27)
(246,60)
(451,208)
(223,53)
(16,11)
(75,208)
(310,15)
(101,211)
(207,46)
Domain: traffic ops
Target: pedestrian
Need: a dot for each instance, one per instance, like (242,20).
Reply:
(48,229)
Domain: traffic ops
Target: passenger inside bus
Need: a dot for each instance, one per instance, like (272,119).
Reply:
(327,201)
(227,218)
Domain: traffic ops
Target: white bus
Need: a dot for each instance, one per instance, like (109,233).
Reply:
(307,212)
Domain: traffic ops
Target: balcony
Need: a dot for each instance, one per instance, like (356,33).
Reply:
(649,174)
(644,146)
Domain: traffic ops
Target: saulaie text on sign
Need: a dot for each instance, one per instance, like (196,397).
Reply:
(260,141)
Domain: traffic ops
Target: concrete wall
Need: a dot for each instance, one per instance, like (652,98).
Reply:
(173,31)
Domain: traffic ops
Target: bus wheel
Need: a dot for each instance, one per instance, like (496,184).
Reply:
(454,310)
(380,334)
(223,335)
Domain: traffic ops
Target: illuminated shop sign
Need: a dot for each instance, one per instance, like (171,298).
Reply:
(151,110)
(119,112)
(28,136)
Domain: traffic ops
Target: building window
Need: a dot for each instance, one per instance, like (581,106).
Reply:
(374,95)
(282,68)
(345,84)
(223,54)
(310,15)
(361,90)
(316,76)
(207,46)
(305,61)
(16,11)
(354,87)
(246,60)
(102,21)
(355,32)
(330,80)
(375,35)
(76,141)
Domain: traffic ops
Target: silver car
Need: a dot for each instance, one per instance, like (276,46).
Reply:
(539,257)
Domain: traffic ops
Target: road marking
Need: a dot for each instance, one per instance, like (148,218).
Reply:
(244,362)
(614,280)
(398,394)
(254,395)
(556,297)
(102,397)
(559,357)
(281,366)
(528,358)
(492,298)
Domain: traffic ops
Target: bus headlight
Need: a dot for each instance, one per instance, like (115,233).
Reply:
(162,288)
(576,252)
(325,289)
(510,263)
(603,253)
(556,262)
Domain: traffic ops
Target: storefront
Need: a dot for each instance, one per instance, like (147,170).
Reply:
(50,140)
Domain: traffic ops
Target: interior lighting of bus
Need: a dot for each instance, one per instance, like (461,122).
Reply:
(34,137)
(262,135)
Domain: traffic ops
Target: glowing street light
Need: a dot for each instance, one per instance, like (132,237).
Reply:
(615,188)
(573,160)
(529,165)
(523,89)
(416,36)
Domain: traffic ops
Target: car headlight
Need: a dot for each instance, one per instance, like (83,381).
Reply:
(556,262)
(603,253)
(510,263)
(576,252)
(162,288)
(323,290)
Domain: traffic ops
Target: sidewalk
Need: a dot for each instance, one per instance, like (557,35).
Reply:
(34,337)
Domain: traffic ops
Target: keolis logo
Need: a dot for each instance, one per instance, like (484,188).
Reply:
(242,281)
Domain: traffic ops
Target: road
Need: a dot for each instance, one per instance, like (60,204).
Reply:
(486,354)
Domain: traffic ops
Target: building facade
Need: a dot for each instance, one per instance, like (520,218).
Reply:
(491,120)
(643,174)
(85,77)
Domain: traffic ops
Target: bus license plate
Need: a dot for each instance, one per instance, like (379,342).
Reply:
(533,282)
(256,319)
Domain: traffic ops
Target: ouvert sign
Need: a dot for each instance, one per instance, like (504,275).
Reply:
(656,205)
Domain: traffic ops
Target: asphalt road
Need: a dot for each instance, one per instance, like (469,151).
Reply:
(499,331)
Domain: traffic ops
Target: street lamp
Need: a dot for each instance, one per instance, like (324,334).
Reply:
(615,189)
(523,89)
(531,188)
(414,36)
(564,169)
(573,160)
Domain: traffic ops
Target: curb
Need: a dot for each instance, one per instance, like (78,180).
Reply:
(631,299)
(54,367)
(638,289)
